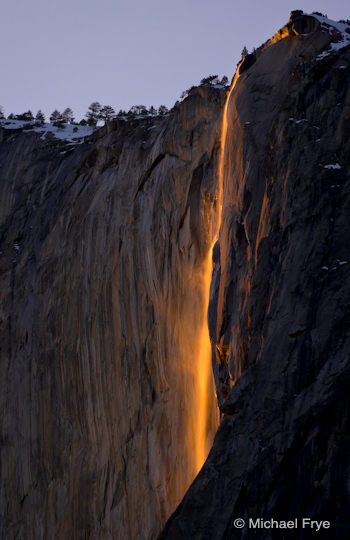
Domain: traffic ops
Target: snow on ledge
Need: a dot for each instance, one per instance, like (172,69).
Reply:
(66,133)
(332,166)
(330,25)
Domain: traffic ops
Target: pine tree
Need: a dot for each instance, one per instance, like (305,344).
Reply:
(212,79)
(138,110)
(107,113)
(57,119)
(40,117)
(224,81)
(163,110)
(2,116)
(68,116)
(26,116)
(244,51)
(93,113)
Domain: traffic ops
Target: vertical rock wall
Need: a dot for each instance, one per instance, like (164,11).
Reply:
(102,249)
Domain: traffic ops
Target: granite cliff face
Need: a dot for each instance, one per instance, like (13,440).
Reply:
(102,249)
(280,299)
(104,283)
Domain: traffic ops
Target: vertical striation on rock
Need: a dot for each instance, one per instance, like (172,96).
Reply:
(103,249)
(279,312)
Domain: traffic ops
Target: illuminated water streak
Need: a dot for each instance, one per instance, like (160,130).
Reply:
(207,408)
(208,417)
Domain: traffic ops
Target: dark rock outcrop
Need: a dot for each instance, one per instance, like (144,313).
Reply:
(280,301)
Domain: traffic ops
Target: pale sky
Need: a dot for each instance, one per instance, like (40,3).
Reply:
(68,53)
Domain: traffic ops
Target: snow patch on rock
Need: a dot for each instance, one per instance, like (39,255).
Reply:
(339,33)
(332,166)
(68,132)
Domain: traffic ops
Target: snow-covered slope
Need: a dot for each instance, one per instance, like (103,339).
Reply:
(340,33)
(68,132)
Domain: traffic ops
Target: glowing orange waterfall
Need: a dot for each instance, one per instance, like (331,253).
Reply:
(207,410)
(222,155)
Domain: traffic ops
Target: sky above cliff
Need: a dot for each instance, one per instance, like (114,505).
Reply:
(122,53)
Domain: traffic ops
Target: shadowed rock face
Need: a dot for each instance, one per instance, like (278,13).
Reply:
(101,252)
(280,302)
